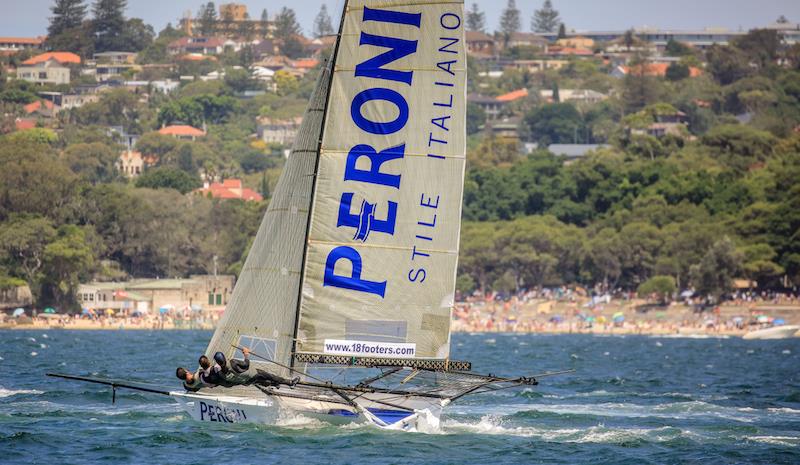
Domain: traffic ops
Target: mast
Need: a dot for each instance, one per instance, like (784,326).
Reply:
(331,66)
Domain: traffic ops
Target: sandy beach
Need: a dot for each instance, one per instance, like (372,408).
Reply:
(516,315)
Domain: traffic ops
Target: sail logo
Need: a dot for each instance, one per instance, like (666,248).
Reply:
(365,220)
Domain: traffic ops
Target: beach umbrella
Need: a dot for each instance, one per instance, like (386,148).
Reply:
(557,319)
(618,317)
(738,319)
(49,310)
(86,311)
(109,311)
(137,314)
(779,321)
(18,312)
(197,308)
(687,293)
(762,318)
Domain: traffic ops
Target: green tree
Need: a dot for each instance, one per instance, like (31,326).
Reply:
(108,25)
(476,117)
(286,24)
(28,179)
(660,286)
(68,257)
(476,19)
(639,87)
(758,264)
(510,22)
(169,178)
(95,162)
(186,160)
(67,14)
(727,64)
(322,23)
(23,240)
(264,186)
(246,28)
(136,36)
(558,123)
(208,19)
(677,49)
(545,19)
(760,45)
(714,274)
(677,72)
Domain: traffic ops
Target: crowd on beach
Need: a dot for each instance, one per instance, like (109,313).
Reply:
(574,310)
(545,310)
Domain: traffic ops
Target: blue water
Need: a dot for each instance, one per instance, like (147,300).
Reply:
(633,400)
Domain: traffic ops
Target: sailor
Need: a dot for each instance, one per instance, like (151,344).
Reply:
(234,373)
(191,381)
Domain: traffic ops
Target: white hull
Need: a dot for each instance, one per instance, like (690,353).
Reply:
(777,332)
(269,409)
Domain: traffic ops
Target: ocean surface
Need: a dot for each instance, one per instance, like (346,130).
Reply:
(633,400)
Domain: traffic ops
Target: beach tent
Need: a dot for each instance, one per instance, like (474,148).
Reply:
(166,308)
(18,312)
(50,310)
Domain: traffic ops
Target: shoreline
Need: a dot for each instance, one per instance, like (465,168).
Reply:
(687,332)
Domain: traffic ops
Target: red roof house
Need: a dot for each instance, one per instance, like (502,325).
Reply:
(60,57)
(229,189)
(182,131)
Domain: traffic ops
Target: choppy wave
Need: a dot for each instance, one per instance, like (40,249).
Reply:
(13,392)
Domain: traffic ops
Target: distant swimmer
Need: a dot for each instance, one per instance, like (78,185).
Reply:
(233,373)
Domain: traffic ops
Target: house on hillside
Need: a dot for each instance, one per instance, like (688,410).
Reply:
(66,101)
(480,44)
(585,96)
(527,39)
(48,68)
(537,66)
(278,131)
(229,189)
(574,151)
(650,69)
(505,128)
(108,65)
(201,45)
(131,163)
(44,108)
(12,45)
(182,131)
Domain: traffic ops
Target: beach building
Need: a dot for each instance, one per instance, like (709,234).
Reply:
(198,292)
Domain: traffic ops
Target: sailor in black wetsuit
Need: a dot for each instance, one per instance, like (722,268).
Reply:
(234,373)
(197,380)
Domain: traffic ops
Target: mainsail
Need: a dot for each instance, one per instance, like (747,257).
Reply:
(379,275)
(364,224)
(261,314)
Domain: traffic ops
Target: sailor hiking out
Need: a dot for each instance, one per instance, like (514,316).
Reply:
(228,374)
